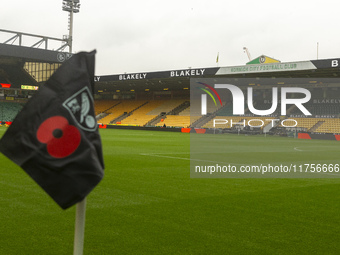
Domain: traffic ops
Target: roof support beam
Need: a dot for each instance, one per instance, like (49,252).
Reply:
(43,39)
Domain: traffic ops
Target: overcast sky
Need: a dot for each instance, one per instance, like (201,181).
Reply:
(152,35)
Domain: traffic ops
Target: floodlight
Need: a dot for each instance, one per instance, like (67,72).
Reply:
(70,6)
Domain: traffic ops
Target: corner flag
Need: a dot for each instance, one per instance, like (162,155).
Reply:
(55,137)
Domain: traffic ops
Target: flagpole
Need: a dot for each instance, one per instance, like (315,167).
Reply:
(217,58)
(79,232)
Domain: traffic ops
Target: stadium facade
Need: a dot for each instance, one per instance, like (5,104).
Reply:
(162,98)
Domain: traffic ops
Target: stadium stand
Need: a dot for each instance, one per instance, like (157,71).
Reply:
(163,98)
(306,123)
(320,110)
(18,76)
(263,105)
(8,110)
(139,112)
(121,110)
(175,121)
(185,112)
(180,116)
(140,117)
(3,76)
(317,125)
(235,119)
(167,106)
(101,106)
(258,121)
(328,125)
(242,121)
(227,110)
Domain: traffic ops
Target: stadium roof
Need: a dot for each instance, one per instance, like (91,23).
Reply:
(177,79)
(14,52)
(180,79)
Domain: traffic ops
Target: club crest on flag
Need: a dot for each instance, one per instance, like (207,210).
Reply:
(79,106)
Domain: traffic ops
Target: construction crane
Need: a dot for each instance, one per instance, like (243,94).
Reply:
(247,51)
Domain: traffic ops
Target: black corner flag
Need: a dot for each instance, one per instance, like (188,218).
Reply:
(55,137)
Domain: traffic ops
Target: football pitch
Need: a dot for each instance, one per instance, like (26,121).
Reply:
(148,204)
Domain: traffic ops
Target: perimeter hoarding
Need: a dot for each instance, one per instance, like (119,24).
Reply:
(237,108)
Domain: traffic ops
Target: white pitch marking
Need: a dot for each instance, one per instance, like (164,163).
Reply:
(163,156)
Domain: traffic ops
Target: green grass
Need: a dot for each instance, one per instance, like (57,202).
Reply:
(148,204)
(260,150)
